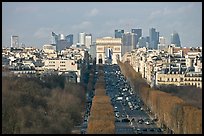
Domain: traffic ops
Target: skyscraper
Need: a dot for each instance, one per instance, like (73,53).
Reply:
(70,39)
(138,34)
(175,39)
(133,39)
(54,38)
(128,41)
(147,41)
(119,33)
(88,40)
(141,42)
(154,38)
(14,41)
(60,41)
(162,43)
(81,38)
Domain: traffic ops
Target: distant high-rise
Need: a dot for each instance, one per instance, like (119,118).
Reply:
(162,43)
(129,42)
(61,44)
(147,41)
(133,39)
(70,39)
(126,39)
(14,41)
(54,38)
(175,39)
(60,41)
(138,33)
(119,33)
(88,40)
(154,38)
(142,42)
(162,40)
(81,38)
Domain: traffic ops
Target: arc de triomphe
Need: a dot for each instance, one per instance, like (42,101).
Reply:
(112,44)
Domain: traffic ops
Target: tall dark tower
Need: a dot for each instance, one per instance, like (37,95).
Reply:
(69,38)
(138,33)
(153,38)
(175,39)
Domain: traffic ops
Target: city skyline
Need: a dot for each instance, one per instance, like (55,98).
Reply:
(33,22)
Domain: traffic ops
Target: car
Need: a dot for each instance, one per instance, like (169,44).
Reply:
(133,119)
(117,114)
(83,131)
(139,132)
(152,129)
(125,120)
(85,124)
(137,107)
(131,123)
(138,129)
(123,115)
(117,120)
(140,121)
(159,130)
(144,129)
(147,121)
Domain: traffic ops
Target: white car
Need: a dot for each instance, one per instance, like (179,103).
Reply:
(117,114)
(147,122)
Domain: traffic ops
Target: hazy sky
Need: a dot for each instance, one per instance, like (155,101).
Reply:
(33,22)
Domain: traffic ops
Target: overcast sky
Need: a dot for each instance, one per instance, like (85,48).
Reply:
(33,22)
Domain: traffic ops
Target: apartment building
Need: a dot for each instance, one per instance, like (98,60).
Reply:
(63,65)
(174,66)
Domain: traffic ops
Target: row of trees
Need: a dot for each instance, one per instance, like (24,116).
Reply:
(172,110)
(47,106)
(101,120)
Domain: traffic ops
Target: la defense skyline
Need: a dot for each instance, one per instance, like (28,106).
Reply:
(134,37)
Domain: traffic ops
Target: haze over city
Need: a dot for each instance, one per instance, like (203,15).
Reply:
(33,22)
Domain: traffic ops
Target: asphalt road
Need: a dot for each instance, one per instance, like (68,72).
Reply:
(118,87)
(128,119)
